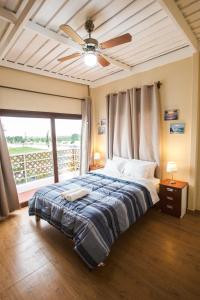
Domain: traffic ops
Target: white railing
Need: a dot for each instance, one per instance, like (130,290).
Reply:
(37,165)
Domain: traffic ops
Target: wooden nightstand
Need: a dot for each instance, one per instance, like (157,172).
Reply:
(93,168)
(173,197)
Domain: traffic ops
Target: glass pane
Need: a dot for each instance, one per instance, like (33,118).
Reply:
(29,144)
(68,137)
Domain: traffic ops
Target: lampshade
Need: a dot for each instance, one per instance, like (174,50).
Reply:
(97,156)
(171,167)
(90,59)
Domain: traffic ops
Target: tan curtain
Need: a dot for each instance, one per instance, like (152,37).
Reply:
(111,100)
(133,124)
(86,136)
(118,136)
(8,192)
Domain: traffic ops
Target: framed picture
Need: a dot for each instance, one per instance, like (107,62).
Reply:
(171,114)
(177,128)
(101,130)
(103,122)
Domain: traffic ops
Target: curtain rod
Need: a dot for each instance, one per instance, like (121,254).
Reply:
(42,93)
(158,83)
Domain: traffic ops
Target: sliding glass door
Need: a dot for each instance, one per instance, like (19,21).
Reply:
(30,149)
(43,149)
(68,137)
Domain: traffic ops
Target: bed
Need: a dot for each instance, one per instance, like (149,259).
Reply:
(95,221)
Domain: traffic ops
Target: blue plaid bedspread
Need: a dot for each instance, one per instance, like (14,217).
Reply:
(95,221)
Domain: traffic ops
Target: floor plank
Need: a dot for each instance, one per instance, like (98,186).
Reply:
(157,258)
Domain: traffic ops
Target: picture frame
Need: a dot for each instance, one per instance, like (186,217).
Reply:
(177,128)
(101,130)
(171,114)
(103,122)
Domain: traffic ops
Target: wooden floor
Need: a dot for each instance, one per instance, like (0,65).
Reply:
(158,258)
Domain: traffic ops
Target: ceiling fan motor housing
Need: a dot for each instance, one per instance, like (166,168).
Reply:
(91,45)
(89,26)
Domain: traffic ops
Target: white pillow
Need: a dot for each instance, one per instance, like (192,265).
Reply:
(115,166)
(120,158)
(139,169)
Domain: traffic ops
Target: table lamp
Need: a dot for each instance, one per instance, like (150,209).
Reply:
(171,168)
(97,158)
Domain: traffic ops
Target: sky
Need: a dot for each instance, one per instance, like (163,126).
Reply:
(38,126)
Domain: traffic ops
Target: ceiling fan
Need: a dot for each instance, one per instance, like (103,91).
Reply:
(92,49)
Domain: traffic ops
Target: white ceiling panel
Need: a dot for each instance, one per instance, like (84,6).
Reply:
(137,12)
(61,13)
(53,62)
(42,52)
(21,43)
(101,18)
(31,49)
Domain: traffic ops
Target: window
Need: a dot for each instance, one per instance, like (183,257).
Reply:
(44,148)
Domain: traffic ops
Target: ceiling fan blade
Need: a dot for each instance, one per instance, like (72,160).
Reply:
(102,61)
(72,34)
(122,39)
(77,54)
(117,63)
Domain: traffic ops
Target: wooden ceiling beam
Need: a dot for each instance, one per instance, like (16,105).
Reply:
(7,15)
(178,19)
(29,8)
(49,34)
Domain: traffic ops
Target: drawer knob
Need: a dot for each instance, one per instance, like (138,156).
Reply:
(169,189)
(170,198)
(169,206)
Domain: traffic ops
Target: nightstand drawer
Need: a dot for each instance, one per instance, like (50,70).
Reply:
(171,207)
(169,198)
(170,194)
(169,190)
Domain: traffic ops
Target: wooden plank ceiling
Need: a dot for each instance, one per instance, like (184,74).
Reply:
(154,34)
(11,6)
(191,11)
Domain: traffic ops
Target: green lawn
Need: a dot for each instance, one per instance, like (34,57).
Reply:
(22,150)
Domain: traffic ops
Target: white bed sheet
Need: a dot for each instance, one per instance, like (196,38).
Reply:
(151,184)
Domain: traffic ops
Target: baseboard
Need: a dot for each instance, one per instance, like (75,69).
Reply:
(193,212)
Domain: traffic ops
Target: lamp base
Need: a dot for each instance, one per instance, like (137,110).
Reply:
(172,182)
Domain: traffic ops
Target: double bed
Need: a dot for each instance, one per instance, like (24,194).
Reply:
(96,220)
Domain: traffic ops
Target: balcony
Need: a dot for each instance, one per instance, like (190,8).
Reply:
(35,169)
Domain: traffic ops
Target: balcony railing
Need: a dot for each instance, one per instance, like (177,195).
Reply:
(37,165)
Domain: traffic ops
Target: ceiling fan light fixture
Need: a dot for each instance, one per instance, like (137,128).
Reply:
(92,49)
(90,59)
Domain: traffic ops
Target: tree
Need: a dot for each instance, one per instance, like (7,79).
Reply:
(18,139)
(75,137)
(47,139)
